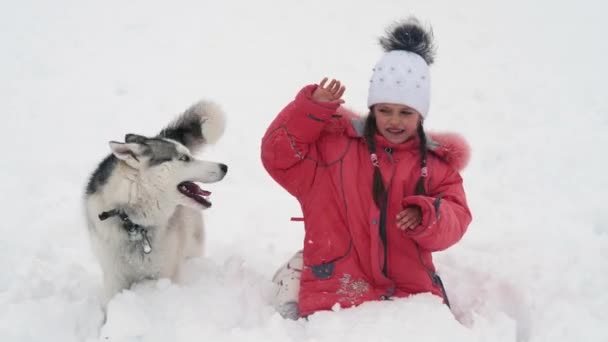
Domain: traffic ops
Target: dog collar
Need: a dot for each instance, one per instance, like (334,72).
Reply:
(135,231)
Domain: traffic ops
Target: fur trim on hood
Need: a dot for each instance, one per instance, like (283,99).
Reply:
(452,148)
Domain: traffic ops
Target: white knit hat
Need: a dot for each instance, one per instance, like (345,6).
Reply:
(402,75)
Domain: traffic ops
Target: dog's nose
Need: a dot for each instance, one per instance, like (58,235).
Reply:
(224,168)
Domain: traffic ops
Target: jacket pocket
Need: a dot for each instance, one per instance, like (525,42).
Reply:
(325,270)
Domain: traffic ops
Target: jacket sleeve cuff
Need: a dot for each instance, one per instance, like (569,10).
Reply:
(429,214)
(309,117)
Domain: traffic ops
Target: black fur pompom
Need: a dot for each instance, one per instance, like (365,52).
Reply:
(410,36)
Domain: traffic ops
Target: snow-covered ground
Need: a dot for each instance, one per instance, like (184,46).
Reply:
(524,82)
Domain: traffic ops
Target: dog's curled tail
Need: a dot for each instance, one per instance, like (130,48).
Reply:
(203,123)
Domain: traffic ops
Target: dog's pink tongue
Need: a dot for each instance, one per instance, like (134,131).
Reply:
(195,189)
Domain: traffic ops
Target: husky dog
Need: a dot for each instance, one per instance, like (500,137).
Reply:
(142,204)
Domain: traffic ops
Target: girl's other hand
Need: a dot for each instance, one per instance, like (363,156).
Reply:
(409,218)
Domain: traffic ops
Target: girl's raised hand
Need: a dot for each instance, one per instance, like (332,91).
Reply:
(331,92)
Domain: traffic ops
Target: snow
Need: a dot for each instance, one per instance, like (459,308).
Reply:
(523,81)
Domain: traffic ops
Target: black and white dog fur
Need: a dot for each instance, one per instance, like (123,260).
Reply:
(142,204)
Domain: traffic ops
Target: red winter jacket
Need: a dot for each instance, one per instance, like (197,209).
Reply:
(324,162)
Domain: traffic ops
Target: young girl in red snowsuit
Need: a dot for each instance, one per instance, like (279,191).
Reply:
(378,194)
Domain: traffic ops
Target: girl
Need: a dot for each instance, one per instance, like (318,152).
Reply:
(378,195)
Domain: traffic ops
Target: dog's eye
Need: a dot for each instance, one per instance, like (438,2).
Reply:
(185,158)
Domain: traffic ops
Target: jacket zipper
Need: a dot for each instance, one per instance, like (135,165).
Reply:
(434,276)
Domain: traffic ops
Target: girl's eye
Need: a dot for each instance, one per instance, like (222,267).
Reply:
(406,113)
(185,158)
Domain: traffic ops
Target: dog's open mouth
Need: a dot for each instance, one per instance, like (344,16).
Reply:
(192,190)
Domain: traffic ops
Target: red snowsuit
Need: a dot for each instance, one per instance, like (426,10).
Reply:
(324,162)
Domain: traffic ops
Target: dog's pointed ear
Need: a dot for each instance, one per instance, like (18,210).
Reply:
(135,138)
(131,153)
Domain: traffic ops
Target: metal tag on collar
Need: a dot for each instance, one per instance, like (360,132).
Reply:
(146,242)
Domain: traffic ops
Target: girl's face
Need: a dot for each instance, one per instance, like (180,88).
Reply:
(397,123)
